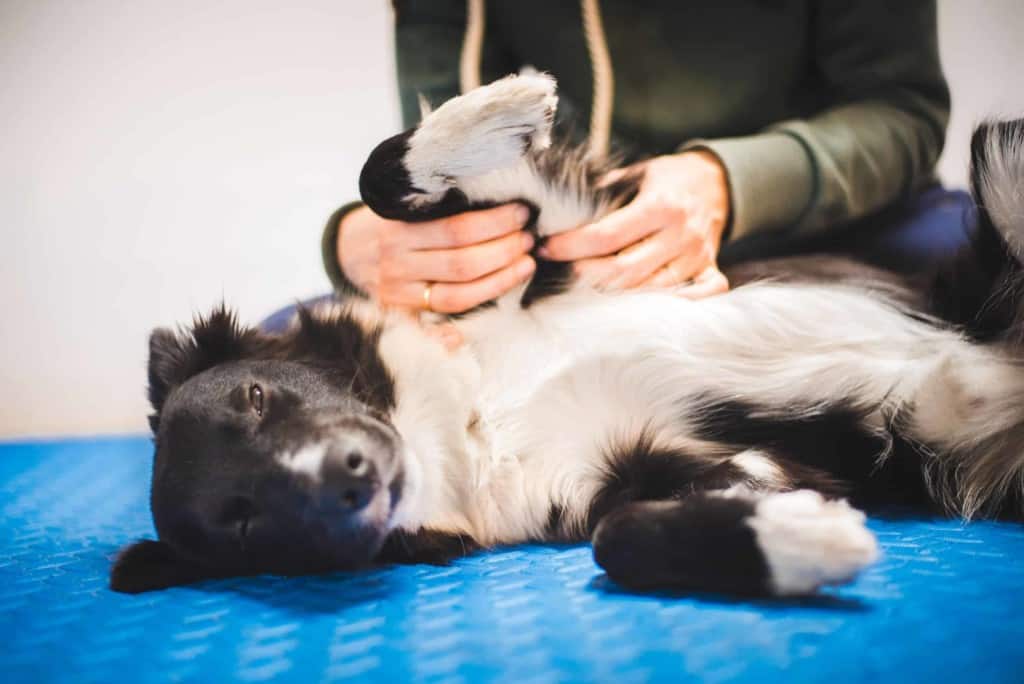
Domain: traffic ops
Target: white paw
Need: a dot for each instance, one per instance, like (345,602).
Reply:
(809,542)
(488,128)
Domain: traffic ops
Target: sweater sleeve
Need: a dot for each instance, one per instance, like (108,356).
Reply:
(329,252)
(876,140)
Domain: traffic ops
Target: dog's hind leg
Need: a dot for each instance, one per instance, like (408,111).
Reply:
(424,172)
(490,146)
(486,129)
(780,544)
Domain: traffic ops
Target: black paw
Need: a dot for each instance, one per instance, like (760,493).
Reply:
(698,544)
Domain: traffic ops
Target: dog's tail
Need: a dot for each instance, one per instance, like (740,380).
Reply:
(983,290)
(979,472)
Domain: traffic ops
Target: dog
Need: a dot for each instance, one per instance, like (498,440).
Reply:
(724,445)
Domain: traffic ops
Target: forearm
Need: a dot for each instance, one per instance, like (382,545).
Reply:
(874,136)
(823,172)
(867,155)
(770,178)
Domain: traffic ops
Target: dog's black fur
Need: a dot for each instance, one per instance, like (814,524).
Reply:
(228,400)
(248,397)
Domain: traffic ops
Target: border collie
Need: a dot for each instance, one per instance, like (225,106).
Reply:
(717,445)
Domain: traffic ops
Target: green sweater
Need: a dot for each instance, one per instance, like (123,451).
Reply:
(822,111)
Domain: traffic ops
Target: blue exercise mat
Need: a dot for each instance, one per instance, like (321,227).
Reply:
(943,605)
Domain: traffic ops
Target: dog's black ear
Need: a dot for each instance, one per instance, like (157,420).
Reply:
(167,358)
(175,357)
(149,565)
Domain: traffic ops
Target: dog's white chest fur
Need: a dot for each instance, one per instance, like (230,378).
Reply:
(558,384)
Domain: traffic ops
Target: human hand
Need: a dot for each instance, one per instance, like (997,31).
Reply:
(668,235)
(448,265)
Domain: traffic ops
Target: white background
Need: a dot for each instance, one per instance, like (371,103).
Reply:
(159,156)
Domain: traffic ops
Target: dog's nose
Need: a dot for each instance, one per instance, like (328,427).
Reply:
(350,474)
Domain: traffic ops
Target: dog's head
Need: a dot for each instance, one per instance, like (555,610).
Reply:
(273,453)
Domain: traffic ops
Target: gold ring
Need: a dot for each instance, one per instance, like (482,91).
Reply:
(426,296)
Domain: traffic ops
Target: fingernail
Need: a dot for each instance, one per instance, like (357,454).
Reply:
(522,214)
(527,268)
(527,241)
(543,252)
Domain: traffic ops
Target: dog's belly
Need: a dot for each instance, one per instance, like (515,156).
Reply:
(567,380)
(776,341)
(558,382)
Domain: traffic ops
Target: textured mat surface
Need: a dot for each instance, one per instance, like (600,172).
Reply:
(945,604)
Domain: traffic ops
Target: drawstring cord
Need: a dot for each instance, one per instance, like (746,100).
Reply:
(472,44)
(604,80)
(600,62)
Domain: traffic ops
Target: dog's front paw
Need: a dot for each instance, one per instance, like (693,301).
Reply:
(486,129)
(809,542)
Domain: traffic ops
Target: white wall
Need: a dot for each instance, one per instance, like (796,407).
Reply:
(982,45)
(158,156)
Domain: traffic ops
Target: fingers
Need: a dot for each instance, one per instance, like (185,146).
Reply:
(691,263)
(470,258)
(446,297)
(667,276)
(618,229)
(708,282)
(641,260)
(452,298)
(460,230)
(465,264)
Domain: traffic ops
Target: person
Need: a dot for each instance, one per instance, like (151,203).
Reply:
(757,119)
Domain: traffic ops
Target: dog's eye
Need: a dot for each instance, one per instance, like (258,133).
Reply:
(256,399)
